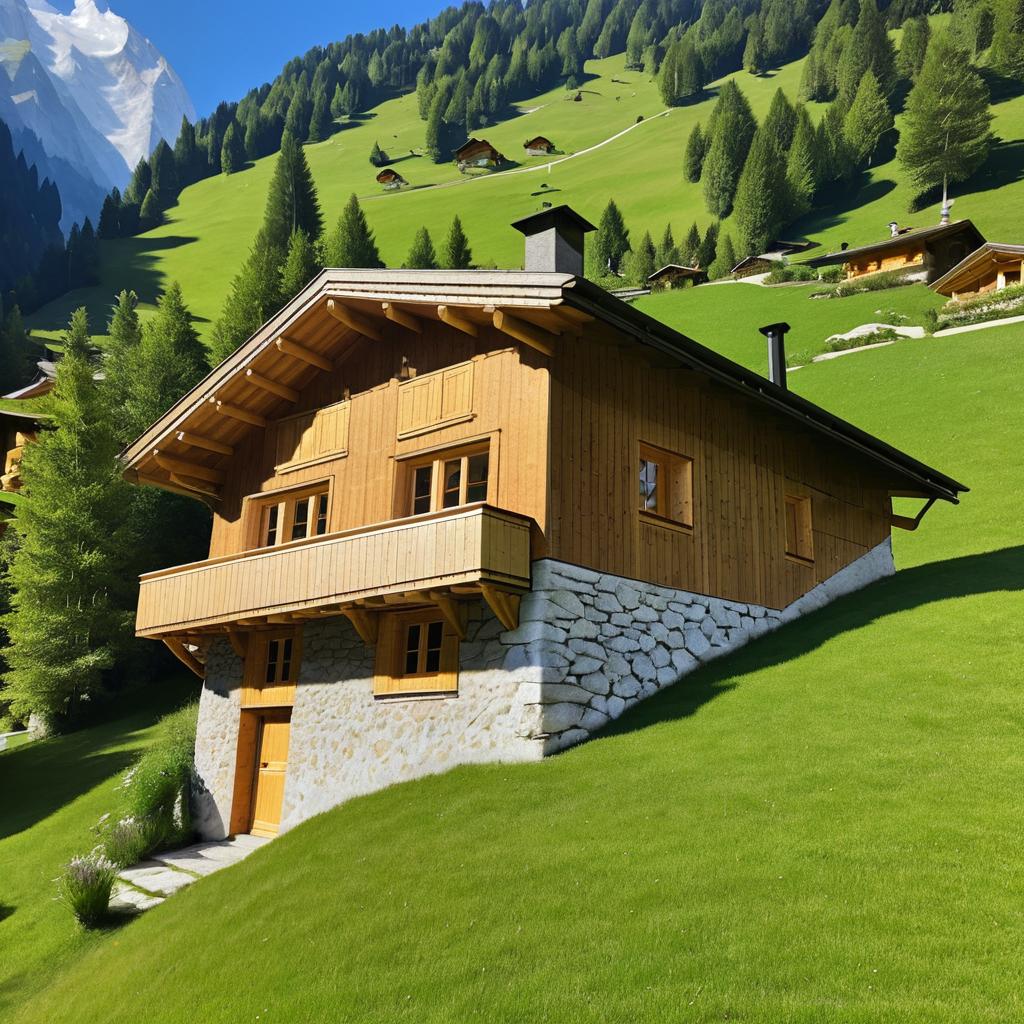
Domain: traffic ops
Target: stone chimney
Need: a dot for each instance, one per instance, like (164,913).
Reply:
(554,241)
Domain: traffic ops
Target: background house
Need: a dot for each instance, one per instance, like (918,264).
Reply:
(538,146)
(478,153)
(991,267)
(390,178)
(674,275)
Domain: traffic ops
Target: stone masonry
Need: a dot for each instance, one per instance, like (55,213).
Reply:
(588,647)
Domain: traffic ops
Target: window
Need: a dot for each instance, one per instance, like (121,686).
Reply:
(799,529)
(272,668)
(666,486)
(448,480)
(417,653)
(293,515)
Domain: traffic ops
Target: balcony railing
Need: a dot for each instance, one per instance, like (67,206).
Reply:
(471,545)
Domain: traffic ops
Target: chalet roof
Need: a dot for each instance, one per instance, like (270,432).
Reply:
(41,384)
(678,269)
(542,140)
(475,146)
(389,174)
(770,257)
(28,418)
(986,256)
(340,308)
(929,234)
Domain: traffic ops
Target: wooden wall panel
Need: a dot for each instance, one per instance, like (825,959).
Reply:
(608,398)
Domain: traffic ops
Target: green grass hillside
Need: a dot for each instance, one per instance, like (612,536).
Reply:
(208,234)
(823,828)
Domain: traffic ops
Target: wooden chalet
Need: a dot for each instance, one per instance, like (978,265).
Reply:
(539,146)
(17,430)
(478,153)
(763,263)
(446,505)
(673,275)
(390,178)
(925,253)
(991,267)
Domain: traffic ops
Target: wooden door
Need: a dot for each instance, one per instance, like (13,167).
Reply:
(270,771)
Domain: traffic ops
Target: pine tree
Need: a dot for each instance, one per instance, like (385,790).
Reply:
(110,215)
(724,261)
(761,195)
(708,247)
(70,597)
(754,57)
(422,255)
(337,104)
(637,39)
(693,158)
(611,241)
(292,201)
(165,175)
(296,122)
(913,46)
(640,263)
(377,156)
(13,357)
(457,254)
(150,215)
(868,119)
(681,77)
(945,135)
(124,335)
(301,266)
(232,155)
(691,247)
(186,155)
(780,122)
(869,48)
(320,120)
(667,252)
(730,130)
(432,143)
(802,165)
(142,178)
(352,243)
(1008,38)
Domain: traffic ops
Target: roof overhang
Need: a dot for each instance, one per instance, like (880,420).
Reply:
(911,238)
(990,255)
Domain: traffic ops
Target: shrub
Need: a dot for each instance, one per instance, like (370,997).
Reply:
(85,886)
(831,275)
(844,344)
(870,283)
(990,306)
(782,273)
(130,840)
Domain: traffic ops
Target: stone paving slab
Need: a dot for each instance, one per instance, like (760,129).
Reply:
(205,858)
(126,900)
(156,878)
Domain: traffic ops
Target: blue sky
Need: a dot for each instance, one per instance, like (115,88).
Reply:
(221,48)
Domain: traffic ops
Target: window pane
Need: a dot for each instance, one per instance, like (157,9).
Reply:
(412,650)
(435,635)
(476,477)
(286,661)
(452,483)
(648,485)
(321,514)
(421,487)
(300,519)
(273,651)
(271,534)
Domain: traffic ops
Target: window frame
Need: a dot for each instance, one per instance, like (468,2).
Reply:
(392,680)
(674,470)
(801,549)
(436,461)
(283,503)
(257,691)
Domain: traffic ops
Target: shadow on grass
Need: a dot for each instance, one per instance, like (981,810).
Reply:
(5,911)
(910,588)
(838,202)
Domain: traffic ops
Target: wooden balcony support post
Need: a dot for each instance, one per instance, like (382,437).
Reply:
(402,318)
(365,624)
(271,386)
(292,348)
(448,316)
(529,334)
(177,647)
(352,321)
(237,641)
(197,441)
(504,605)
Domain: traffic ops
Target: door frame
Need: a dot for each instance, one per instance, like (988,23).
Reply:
(247,762)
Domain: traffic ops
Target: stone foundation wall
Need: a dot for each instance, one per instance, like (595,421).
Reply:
(588,647)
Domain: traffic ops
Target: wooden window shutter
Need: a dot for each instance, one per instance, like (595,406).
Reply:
(311,436)
(457,391)
(435,399)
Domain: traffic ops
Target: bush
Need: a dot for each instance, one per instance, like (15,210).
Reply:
(990,306)
(844,344)
(831,275)
(782,273)
(870,283)
(85,886)
(130,840)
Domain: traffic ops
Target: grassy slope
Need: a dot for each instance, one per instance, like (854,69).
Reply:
(813,830)
(54,792)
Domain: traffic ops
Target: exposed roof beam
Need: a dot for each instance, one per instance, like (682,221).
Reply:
(180,467)
(266,384)
(198,441)
(402,318)
(184,655)
(195,486)
(460,323)
(352,320)
(252,418)
(297,351)
(529,334)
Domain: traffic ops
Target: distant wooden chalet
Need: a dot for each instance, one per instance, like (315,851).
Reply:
(538,146)
(41,384)
(991,267)
(924,253)
(478,153)
(390,178)
(765,262)
(17,430)
(473,516)
(673,275)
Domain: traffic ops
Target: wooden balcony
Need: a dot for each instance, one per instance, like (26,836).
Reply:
(471,550)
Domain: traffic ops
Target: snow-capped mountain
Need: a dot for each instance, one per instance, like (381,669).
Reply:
(96,94)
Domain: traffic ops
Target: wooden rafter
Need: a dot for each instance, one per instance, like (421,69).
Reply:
(198,441)
(179,467)
(529,334)
(504,605)
(402,318)
(271,386)
(194,486)
(243,415)
(365,624)
(447,315)
(292,348)
(177,647)
(451,610)
(352,321)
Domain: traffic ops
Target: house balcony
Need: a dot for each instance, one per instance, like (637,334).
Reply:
(437,558)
